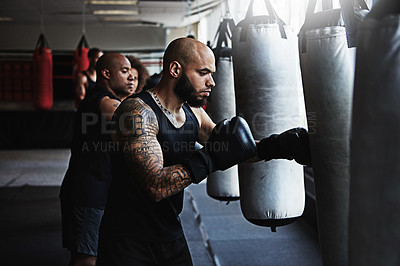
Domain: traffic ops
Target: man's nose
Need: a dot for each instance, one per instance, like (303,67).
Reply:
(210,82)
(130,77)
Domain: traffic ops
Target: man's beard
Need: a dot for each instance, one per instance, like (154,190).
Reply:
(186,92)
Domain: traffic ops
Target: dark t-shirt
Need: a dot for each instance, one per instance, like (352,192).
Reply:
(89,172)
(129,211)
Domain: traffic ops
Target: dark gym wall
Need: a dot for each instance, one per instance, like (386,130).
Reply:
(65,37)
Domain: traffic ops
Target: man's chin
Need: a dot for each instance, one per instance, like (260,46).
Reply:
(198,102)
(204,101)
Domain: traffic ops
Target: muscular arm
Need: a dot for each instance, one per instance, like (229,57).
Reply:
(137,129)
(80,86)
(206,124)
(108,106)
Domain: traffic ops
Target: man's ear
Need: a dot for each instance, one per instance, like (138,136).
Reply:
(105,73)
(175,69)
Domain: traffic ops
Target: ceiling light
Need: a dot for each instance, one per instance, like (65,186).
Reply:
(125,19)
(116,12)
(110,2)
(128,21)
(6,19)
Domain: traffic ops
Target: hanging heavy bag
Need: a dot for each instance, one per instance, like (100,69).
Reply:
(43,75)
(374,231)
(327,66)
(269,96)
(80,61)
(223,185)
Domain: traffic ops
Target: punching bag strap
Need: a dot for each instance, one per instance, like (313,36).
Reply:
(217,33)
(280,22)
(41,43)
(82,44)
(310,11)
(223,32)
(223,35)
(221,38)
(362,4)
(226,30)
(249,15)
(310,8)
(349,19)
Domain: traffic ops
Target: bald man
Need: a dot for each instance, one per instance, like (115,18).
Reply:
(84,188)
(156,132)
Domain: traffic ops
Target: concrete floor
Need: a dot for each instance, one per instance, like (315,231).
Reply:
(217,233)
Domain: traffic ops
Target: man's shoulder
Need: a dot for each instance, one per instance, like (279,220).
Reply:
(133,99)
(96,94)
(134,111)
(81,77)
(134,104)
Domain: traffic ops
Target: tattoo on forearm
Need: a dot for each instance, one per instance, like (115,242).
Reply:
(136,129)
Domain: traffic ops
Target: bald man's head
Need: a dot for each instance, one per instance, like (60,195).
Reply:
(109,61)
(184,51)
(113,73)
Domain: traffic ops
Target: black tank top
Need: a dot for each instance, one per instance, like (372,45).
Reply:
(91,82)
(129,211)
(89,172)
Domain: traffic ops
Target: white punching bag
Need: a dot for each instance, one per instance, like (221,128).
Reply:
(269,96)
(374,227)
(327,66)
(223,185)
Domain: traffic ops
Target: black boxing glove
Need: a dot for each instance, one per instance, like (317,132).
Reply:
(230,143)
(291,144)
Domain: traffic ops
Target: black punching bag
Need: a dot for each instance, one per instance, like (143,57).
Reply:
(327,57)
(374,228)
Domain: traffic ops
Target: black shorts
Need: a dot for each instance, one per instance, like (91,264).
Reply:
(126,250)
(80,228)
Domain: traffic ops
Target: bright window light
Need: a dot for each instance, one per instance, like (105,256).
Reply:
(259,8)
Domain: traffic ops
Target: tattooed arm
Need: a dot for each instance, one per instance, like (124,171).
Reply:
(136,132)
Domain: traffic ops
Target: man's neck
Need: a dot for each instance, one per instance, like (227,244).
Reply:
(168,99)
(122,97)
(91,70)
(177,118)
(101,84)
